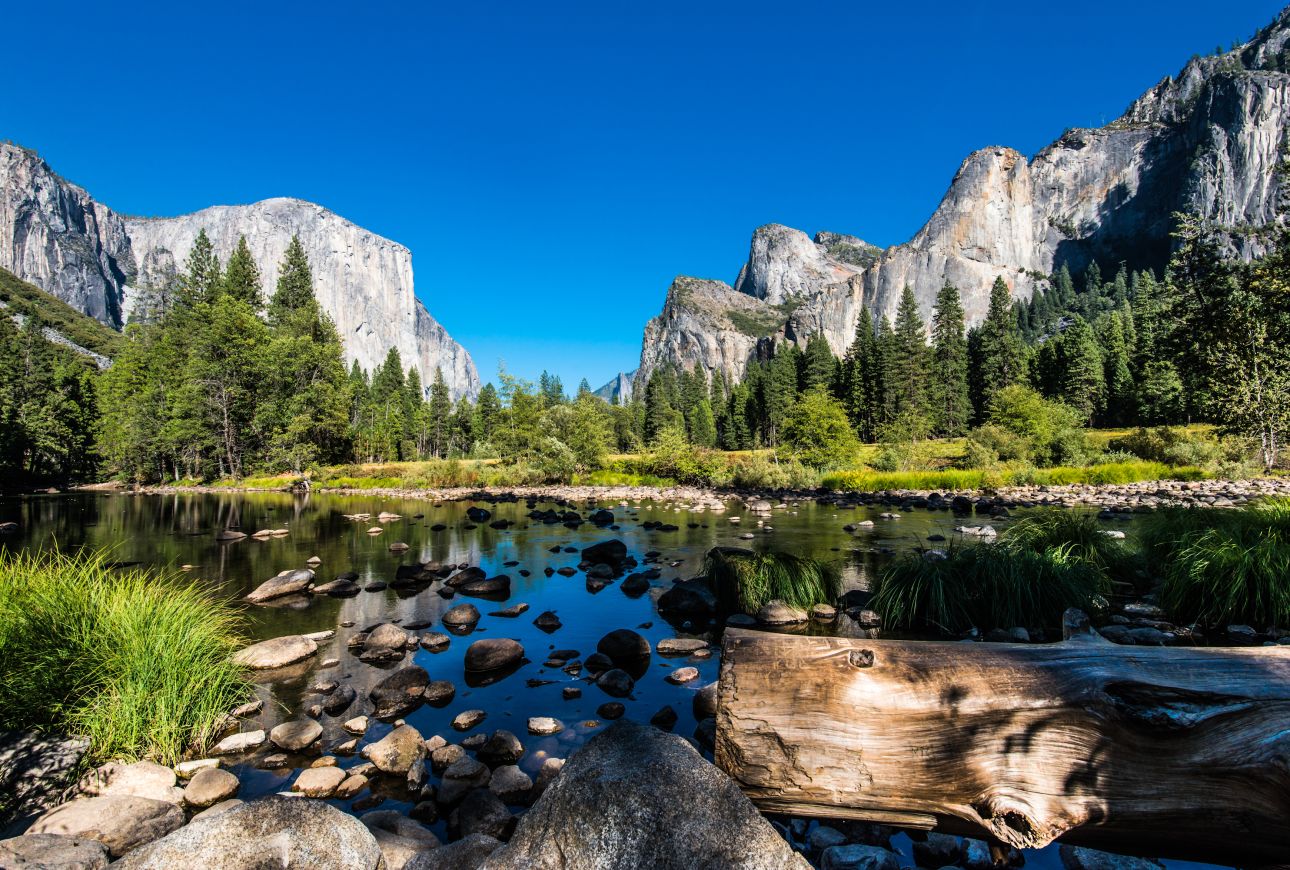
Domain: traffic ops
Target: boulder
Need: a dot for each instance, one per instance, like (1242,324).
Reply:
(295,736)
(680,646)
(401,839)
(240,742)
(510,784)
(460,616)
(1080,858)
(462,776)
(319,782)
(487,587)
(52,852)
(210,786)
(482,812)
(141,779)
(286,583)
(501,748)
(493,654)
(396,752)
(691,600)
(624,646)
(858,857)
(612,553)
(273,832)
(120,822)
(400,693)
(35,768)
(385,643)
(616,683)
(778,613)
(635,796)
(276,652)
(465,854)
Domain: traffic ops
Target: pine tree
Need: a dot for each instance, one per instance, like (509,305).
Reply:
(242,277)
(295,291)
(862,395)
(201,280)
(907,375)
(1120,398)
(818,365)
(948,369)
(440,412)
(488,408)
(1079,379)
(999,358)
(701,425)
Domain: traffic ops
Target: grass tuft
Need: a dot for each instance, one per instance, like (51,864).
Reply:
(957,479)
(137,661)
(1222,566)
(745,580)
(986,586)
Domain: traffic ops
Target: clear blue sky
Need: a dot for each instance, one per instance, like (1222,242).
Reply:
(552,166)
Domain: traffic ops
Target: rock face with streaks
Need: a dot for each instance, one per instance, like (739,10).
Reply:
(1208,142)
(55,235)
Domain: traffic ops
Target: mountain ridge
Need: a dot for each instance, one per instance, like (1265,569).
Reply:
(1210,141)
(54,235)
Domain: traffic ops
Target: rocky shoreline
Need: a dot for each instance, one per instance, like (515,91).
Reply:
(1128,497)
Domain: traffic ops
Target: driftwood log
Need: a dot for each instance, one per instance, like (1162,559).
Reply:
(1165,751)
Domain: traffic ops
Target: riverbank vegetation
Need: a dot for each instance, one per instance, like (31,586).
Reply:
(1210,567)
(744,580)
(137,661)
(214,381)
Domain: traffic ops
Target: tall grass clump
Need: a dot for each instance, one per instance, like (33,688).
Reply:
(137,661)
(986,586)
(1080,534)
(1224,566)
(745,580)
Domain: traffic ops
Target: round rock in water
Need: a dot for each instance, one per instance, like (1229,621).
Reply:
(461,615)
(624,645)
(397,751)
(210,786)
(778,613)
(400,693)
(276,653)
(545,725)
(493,654)
(616,683)
(319,782)
(295,736)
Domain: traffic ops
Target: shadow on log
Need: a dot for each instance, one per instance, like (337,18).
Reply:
(1151,750)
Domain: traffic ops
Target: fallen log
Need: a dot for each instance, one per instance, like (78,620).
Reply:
(1166,751)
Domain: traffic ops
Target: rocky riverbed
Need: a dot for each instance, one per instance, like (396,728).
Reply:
(437,669)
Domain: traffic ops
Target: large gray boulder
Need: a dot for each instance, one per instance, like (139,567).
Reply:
(277,652)
(50,851)
(120,822)
(299,833)
(637,797)
(34,770)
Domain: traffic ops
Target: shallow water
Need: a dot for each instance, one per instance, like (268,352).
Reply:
(170,531)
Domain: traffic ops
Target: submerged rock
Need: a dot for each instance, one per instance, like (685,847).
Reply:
(635,796)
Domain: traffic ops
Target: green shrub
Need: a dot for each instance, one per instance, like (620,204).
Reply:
(817,433)
(759,472)
(136,661)
(995,444)
(986,586)
(745,580)
(1223,566)
(1171,445)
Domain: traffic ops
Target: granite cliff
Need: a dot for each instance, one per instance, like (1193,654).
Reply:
(1209,142)
(56,236)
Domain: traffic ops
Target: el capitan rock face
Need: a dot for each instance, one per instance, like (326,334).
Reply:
(55,235)
(1208,142)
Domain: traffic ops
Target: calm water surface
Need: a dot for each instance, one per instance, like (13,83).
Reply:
(169,531)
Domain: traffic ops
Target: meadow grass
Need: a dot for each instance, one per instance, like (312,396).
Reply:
(137,661)
(958,479)
(1221,566)
(745,580)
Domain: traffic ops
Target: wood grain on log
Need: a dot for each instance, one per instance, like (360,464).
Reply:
(1185,752)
